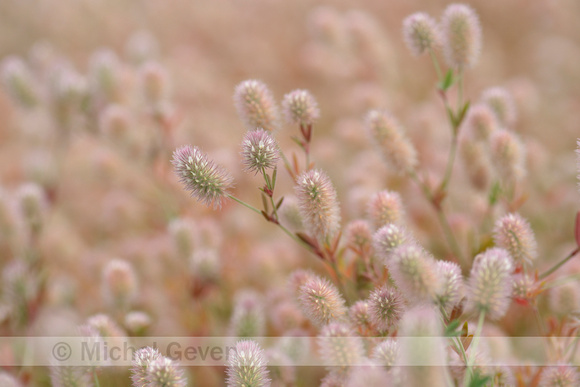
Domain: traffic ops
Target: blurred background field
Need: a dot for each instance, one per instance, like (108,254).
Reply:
(110,197)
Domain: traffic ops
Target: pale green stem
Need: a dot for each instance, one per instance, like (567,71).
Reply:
(456,342)
(559,264)
(450,161)
(436,65)
(473,350)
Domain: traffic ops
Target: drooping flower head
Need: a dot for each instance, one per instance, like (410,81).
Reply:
(208,182)
(513,233)
(318,203)
(300,107)
(461,36)
(256,106)
(490,283)
(259,151)
(247,366)
(321,301)
(421,33)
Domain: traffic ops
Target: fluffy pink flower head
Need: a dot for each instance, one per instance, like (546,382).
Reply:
(502,103)
(208,182)
(259,151)
(321,301)
(415,272)
(387,238)
(247,366)
(386,207)
(421,33)
(480,122)
(256,106)
(513,233)
(385,307)
(318,203)
(490,283)
(300,107)
(461,36)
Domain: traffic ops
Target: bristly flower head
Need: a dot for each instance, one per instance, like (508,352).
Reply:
(248,315)
(300,107)
(421,33)
(359,315)
(318,203)
(560,376)
(387,238)
(256,106)
(247,366)
(388,135)
(259,151)
(490,283)
(452,286)
(461,36)
(321,301)
(208,182)
(502,103)
(385,307)
(513,233)
(142,360)
(163,372)
(415,272)
(386,207)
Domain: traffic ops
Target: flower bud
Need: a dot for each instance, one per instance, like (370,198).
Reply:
(318,203)
(259,151)
(386,207)
(421,33)
(513,233)
(461,36)
(321,301)
(300,107)
(208,182)
(502,104)
(247,366)
(490,283)
(385,308)
(388,135)
(256,106)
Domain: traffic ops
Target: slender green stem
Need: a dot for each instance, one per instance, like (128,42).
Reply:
(450,161)
(472,351)
(97,384)
(436,65)
(559,264)
(288,165)
(243,203)
(561,281)
(456,342)
(459,90)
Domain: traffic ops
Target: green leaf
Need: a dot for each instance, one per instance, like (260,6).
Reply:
(494,193)
(447,82)
(451,329)
(462,114)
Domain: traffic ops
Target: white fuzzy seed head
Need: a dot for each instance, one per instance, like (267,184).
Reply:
(513,233)
(452,286)
(502,103)
(256,106)
(385,308)
(386,207)
(321,301)
(247,366)
(415,272)
(260,151)
(300,107)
